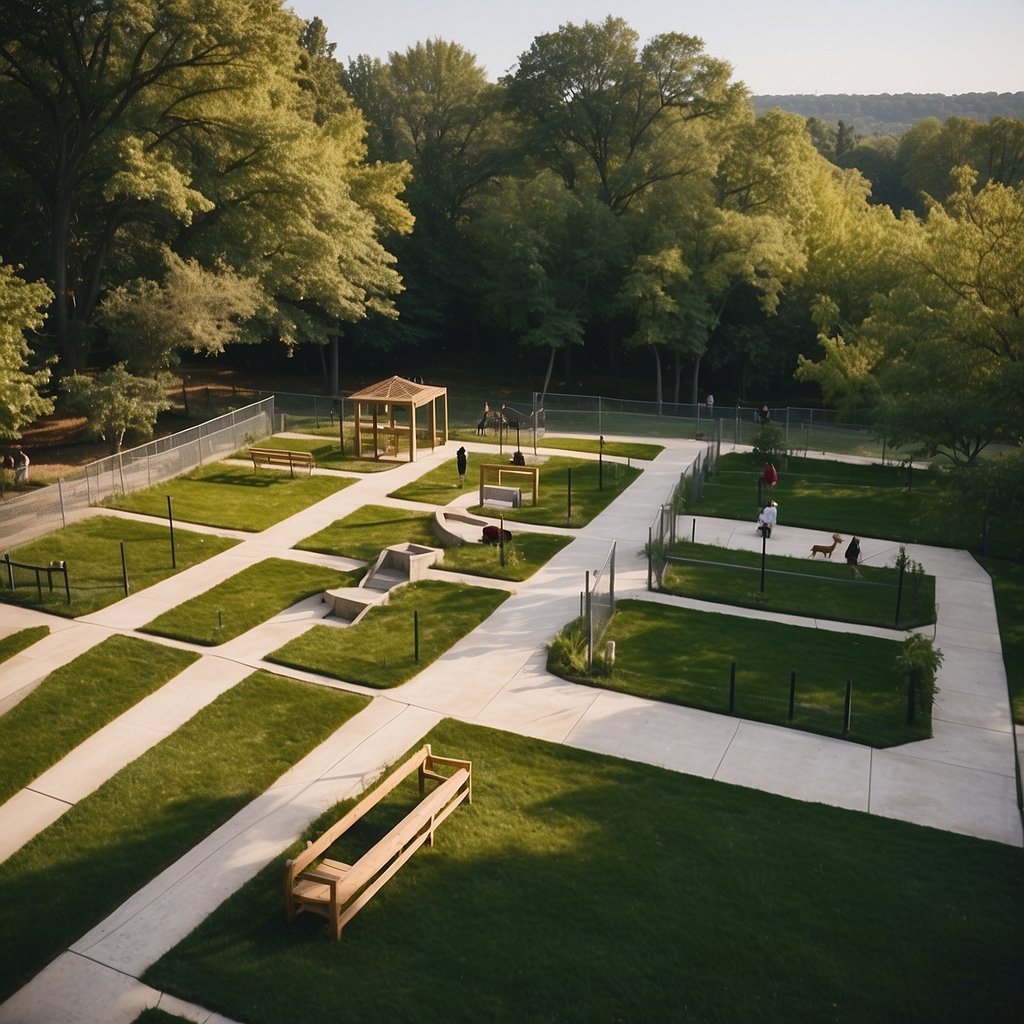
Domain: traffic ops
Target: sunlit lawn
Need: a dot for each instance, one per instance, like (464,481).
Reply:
(233,497)
(593,489)
(91,549)
(15,643)
(76,700)
(800,586)
(380,649)
(634,450)
(109,844)
(683,656)
(366,532)
(629,893)
(328,455)
(840,497)
(245,600)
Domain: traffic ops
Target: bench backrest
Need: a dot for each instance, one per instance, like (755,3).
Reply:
(422,761)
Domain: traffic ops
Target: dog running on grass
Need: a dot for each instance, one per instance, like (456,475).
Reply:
(827,549)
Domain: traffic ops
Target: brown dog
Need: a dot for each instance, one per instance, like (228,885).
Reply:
(827,549)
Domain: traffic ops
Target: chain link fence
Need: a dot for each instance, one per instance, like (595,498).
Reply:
(38,511)
(599,603)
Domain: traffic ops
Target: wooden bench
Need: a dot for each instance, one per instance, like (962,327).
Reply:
(339,891)
(280,457)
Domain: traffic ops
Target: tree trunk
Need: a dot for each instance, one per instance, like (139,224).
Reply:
(696,378)
(547,376)
(657,377)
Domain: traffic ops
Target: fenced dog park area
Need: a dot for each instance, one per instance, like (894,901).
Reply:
(587,799)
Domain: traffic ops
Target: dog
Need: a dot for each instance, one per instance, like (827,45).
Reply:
(496,535)
(827,549)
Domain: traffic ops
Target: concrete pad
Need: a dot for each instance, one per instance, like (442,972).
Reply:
(945,796)
(799,765)
(683,739)
(971,671)
(26,814)
(987,750)
(978,711)
(76,990)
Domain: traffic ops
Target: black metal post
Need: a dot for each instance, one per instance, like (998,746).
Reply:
(899,588)
(792,693)
(124,569)
(911,693)
(650,557)
(67,585)
(170,522)
(764,554)
(568,515)
(732,686)
(416,635)
(501,540)
(847,707)
(600,463)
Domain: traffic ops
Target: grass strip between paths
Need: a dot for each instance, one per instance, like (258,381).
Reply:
(78,699)
(370,529)
(81,868)
(593,488)
(847,498)
(326,455)
(233,497)
(1008,586)
(801,586)
(246,599)
(683,656)
(15,643)
(92,551)
(380,649)
(641,895)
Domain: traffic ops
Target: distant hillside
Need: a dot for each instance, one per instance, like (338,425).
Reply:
(894,114)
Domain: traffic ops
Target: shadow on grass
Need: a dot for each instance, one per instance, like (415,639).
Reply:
(580,888)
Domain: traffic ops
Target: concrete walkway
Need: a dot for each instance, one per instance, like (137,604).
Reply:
(961,780)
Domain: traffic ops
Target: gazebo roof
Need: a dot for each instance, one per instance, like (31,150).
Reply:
(398,389)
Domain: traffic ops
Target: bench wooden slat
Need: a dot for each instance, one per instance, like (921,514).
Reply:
(282,457)
(338,891)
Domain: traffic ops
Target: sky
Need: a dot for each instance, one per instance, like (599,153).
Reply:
(780,48)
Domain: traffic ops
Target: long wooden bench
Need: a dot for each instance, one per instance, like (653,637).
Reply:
(339,891)
(281,457)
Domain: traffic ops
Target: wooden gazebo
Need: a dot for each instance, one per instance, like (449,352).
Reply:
(386,415)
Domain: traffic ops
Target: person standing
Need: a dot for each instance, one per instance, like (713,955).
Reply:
(21,464)
(853,556)
(461,461)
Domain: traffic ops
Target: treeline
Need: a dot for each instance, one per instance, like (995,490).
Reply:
(893,114)
(196,176)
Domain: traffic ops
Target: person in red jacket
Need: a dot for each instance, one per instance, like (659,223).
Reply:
(771,478)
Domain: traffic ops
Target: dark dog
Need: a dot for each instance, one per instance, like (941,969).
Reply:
(495,535)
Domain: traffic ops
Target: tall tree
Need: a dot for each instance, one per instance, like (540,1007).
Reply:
(142,124)
(21,303)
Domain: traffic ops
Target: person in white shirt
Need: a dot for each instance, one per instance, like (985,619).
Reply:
(768,518)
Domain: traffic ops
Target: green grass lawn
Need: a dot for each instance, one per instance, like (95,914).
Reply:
(840,497)
(637,450)
(366,532)
(590,493)
(76,700)
(81,868)
(683,656)
(233,497)
(379,650)
(1008,585)
(92,550)
(328,454)
(246,599)
(800,586)
(582,888)
(14,643)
